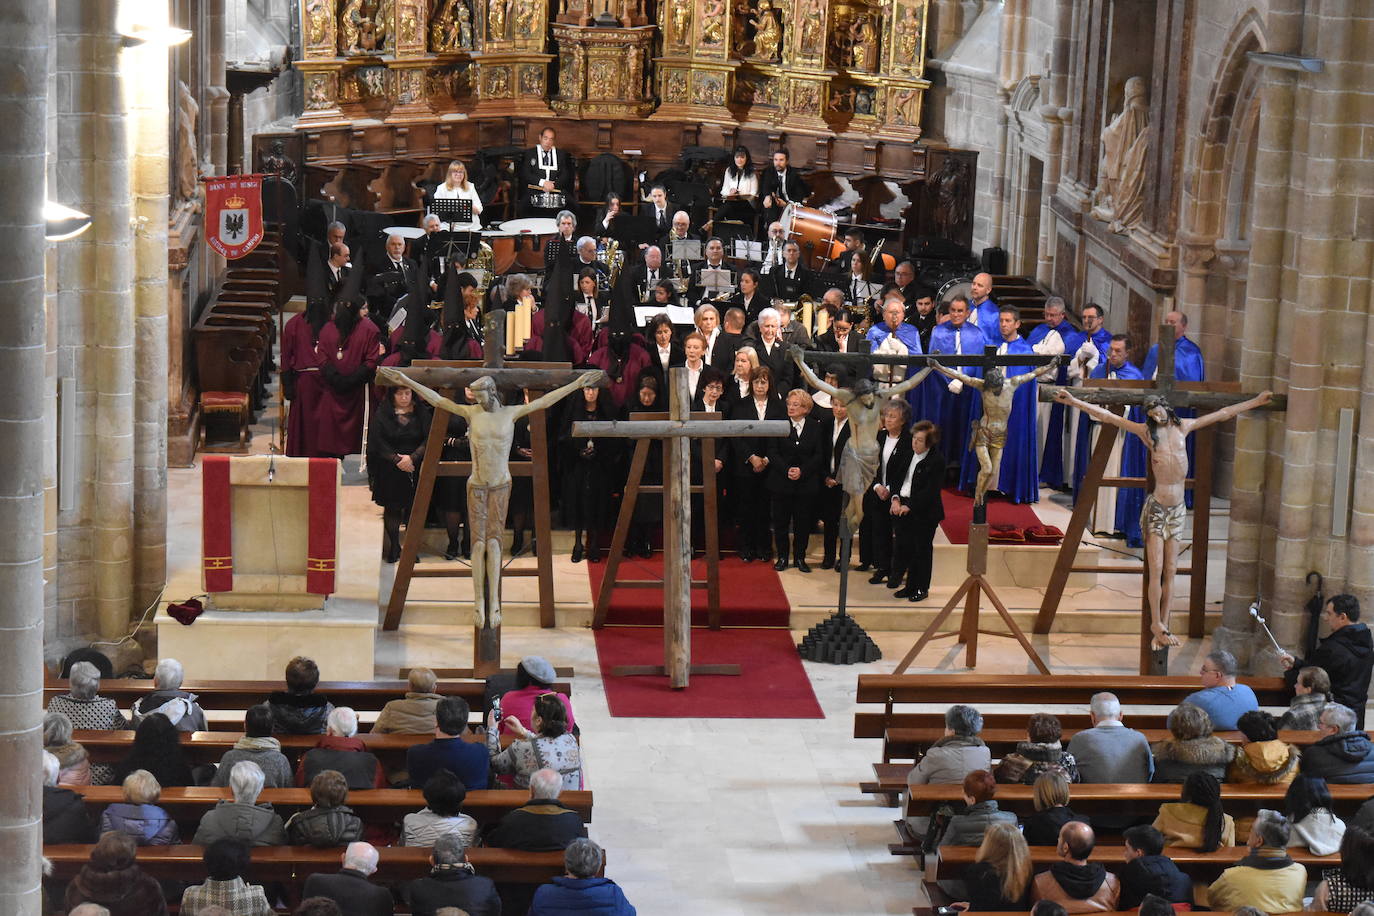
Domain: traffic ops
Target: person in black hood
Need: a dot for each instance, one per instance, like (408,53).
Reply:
(1148,871)
(1344,755)
(1347,655)
(1075,883)
(299,710)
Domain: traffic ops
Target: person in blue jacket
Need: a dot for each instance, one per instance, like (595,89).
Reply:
(581,890)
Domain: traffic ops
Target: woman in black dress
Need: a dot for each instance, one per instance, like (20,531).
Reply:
(588,465)
(749,468)
(157,749)
(648,511)
(917,509)
(664,353)
(875,531)
(395,448)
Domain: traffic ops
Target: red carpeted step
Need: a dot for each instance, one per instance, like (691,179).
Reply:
(751,594)
(959,513)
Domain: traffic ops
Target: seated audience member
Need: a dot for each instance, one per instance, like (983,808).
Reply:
(1148,871)
(1193,748)
(1052,809)
(1344,755)
(138,815)
(257,745)
(113,880)
(1196,820)
(1048,908)
(534,677)
(157,749)
(442,814)
(1345,655)
(243,818)
(542,823)
(452,883)
(967,829)
(1313,691)
(949,760)
(298,710)
(350,888)
(580,890)
(999,878)
(1040,753)
(179,706)
(341,749)
(413,715)
(75,763)
(83,704)
(1342,889)
(317,906)
(465,759)
(1109,752)
(86,909)
(1266,878)
(1075,883)
(328,821)
(1263,757)
(548,745)
(226,864)
(1154,905)
(64,812)
(1221,697)
(1307,805)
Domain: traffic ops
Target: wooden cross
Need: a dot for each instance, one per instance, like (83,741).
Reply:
(1119,394)
(677,529)
(444,376)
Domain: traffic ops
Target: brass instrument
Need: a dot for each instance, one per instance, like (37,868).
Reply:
(614,259)
(877,254)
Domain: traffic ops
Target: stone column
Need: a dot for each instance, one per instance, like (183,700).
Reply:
(24,68)
(145,86)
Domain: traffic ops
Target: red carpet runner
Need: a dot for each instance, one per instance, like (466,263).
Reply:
(772,684)
(959,513)
(751,594)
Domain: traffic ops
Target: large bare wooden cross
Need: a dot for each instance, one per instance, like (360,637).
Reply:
(451,377)
(1120,394)
(677,514)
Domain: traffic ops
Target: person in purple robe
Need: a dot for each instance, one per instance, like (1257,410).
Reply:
(349,350)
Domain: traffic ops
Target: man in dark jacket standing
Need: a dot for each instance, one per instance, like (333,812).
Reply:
(350,887)
(1149,871)
(1347,655)
(452,883)
(541,823)
(1344,755)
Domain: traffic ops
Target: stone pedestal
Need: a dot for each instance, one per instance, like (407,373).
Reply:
(601,71)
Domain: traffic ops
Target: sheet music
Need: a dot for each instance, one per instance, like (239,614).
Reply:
(686,250)
(748,249)
(398,317)
(677,314)
(715,279)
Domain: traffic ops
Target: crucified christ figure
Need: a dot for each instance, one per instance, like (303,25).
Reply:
(860,460)
(990,430)
(1161,520)
(491,429)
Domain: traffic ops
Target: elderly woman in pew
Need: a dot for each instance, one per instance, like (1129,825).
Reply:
(243,818)
(547,743)
(257,745)
(1192,747)
(82,703)
(1041,753)
(157,749)
(57,740)
(139,815)
(999,878)
(1263,758)
(949,760)
(1342,889)
(1196,820)
(1307,804)
(328,821)
(113,880)
(1052,809)
(226,864)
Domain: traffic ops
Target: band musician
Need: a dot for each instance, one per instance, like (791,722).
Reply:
(781,185)
(545,170)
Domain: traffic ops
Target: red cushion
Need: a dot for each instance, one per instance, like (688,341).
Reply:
(1043,534)
(1006,534)
(224,401)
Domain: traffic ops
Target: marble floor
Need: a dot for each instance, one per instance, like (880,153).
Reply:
(745,816)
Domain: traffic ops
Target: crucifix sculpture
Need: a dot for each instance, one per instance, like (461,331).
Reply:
(1162,523)
(677,514)
(491,428)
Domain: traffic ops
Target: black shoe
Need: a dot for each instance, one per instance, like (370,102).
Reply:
(780,565)
(802,567)
(862,567)
(918,596)
(646,551)
(894,582)
(577,553)
(452,552)
(593,555)
(827,563)
(517,546)
(876,579)
(904,593)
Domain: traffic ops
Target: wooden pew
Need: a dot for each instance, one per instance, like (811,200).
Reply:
(1055,688)
(910,743)
(1198,865)
(186,805)
(296,863)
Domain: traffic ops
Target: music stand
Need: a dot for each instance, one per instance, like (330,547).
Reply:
(715,280)
(453,210)
(556,248)
(686,250)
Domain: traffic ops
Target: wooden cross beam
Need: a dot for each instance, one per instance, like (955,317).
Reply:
(1120,394)
(677,547)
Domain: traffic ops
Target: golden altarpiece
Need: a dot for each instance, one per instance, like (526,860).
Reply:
(841,66)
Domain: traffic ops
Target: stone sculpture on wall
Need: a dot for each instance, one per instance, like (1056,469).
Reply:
(864,43)
(188,162)
(1118,197)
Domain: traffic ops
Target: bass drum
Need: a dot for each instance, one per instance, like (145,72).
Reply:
(813,229)
(502,249)
(959,286)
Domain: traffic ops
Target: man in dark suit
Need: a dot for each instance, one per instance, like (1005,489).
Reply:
(730,339)
(657,218)
(390,279)
(840,336)
(795,468)
(548,169)
(643,276)
(780,186)
(715,260)
(834,437)
(350,888)
(789,280)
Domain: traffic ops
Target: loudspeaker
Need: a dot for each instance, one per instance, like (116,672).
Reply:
(995,261)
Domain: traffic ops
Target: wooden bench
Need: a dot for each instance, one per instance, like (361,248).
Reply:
(186,805)
(1205,865)
(911,743)
(209,747)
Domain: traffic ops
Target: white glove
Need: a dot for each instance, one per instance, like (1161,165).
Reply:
(1086,351)
(1052,345)
(955,386)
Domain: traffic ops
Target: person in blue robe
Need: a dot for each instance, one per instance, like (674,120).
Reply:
(1129,500)
(1054,470)
(1018,477)
(1188,367)
(982,310)
(953,407)
(1095,329)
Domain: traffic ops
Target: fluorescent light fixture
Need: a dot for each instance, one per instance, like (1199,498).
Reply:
(165,35)
(1287,61)
(63,222)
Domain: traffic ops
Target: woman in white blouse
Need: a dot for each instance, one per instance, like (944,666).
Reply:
(917,509)
(739,189)
(875,549)
(737,386)
(457,187)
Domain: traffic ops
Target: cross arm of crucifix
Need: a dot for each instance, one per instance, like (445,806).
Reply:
(1221,416)
(799,357)
(956,374)
(1046,369)
(392,375)
(910,383)
(588,379)
(1102,414)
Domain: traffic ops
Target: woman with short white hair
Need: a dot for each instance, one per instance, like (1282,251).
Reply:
(82,703)
(57,740)
(243,818)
